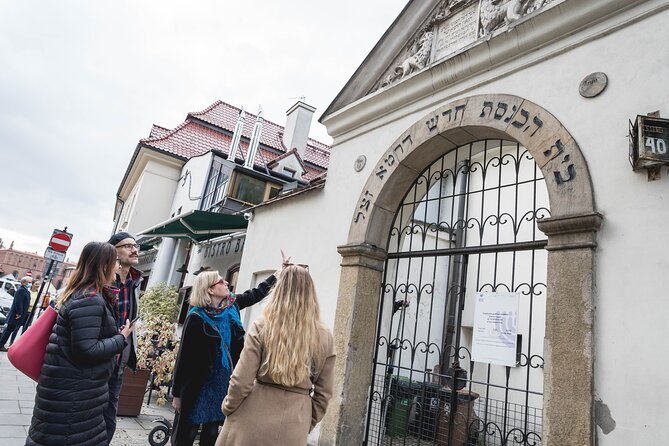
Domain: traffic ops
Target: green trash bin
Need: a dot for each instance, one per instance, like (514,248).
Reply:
(399,410)
(399,418)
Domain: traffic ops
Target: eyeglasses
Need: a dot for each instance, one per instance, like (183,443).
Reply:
(301,265)
(129,246)
(218,282)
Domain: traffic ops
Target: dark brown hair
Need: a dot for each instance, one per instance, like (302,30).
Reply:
(95,269)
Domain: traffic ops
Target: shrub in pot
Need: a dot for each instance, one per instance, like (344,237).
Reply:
(157,343)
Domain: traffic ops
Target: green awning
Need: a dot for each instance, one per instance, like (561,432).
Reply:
(198,226)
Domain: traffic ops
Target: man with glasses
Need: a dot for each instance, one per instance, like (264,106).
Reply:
(128,281)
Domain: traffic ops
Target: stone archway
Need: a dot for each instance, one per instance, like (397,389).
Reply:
(568,386)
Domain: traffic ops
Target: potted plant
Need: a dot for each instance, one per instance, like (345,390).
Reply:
(157,346)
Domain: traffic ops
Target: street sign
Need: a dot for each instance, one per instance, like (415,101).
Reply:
(54,255)
(60,240)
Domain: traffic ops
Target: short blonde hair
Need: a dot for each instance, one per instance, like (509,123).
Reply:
(199,297)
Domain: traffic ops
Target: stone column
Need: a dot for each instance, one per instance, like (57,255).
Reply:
(568,417)
(355,330)
(160,272)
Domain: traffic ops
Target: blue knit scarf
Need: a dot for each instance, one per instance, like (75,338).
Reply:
(222,322)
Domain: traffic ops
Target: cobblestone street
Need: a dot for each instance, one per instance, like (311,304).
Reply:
(17,397)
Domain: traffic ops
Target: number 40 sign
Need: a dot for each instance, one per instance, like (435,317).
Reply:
(649,142)
(657,146)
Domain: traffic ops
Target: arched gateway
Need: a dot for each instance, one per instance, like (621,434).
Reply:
(445,151)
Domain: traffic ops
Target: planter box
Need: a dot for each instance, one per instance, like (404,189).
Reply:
(132,392)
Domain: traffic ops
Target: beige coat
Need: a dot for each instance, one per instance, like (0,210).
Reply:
(259,413)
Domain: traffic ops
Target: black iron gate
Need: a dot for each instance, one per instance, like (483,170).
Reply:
(465,230)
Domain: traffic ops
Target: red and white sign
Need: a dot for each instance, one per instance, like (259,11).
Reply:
(60,241)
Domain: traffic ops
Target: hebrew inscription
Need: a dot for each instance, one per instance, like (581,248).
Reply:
(450,115)
(393,155)
(364,205)
(483,112)
(501,109)
(557,150)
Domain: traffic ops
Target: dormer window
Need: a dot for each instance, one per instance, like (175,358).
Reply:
(251,190)
(290,172)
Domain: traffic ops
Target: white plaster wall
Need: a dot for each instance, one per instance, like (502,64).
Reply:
(153,196)
(186,191)
(297,226)
(189,188)
(292,163)
(631,260)
(630,273)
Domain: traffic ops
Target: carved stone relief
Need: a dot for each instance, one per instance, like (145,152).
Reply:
(455,24)
(495,14)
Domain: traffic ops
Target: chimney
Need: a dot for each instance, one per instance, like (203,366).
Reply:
(298,122)
(237,136)
(255,140)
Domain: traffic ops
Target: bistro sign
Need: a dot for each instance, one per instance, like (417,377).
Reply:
(225,247)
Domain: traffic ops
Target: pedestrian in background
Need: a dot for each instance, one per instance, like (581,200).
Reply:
(212,340)
(18,313)
(72,391)
(46,300)
(128,281)
(284,380)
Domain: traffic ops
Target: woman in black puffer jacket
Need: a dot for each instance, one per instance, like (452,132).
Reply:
(72,390)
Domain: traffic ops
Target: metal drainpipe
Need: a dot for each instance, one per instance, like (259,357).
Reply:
(457,268)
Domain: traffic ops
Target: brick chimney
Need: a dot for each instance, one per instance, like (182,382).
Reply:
(298,122)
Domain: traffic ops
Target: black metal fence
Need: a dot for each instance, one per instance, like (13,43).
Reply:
(416,413)
(466,226)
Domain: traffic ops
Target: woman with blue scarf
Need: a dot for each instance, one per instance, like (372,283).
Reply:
(211,342)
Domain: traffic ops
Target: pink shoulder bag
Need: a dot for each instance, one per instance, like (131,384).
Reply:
(27,353)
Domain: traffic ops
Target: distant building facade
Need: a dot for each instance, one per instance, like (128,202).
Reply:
(19,263)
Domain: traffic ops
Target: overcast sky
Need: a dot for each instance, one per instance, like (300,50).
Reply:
(82,81)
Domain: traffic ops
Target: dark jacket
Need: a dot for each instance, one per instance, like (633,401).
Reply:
(200,344)
(19,307)
(72,390)
(129,355)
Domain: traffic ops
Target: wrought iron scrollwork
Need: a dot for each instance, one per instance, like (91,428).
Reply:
(467,225)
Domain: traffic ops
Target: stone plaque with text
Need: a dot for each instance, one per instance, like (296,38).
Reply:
(456,32)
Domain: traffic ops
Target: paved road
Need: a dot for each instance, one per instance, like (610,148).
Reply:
(17,397)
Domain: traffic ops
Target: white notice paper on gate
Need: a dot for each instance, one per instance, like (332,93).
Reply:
(495,328)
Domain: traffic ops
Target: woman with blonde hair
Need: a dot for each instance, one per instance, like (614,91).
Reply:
(72,391)
(284,380)
(211,342)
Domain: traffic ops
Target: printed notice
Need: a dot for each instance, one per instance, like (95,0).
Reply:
(495,328)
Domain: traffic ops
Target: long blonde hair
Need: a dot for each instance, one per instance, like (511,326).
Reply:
(290,334)
(96,268)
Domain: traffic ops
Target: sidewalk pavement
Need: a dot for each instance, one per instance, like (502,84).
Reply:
(17,398)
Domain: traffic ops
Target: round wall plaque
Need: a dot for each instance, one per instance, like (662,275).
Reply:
(593,84)
(360,163)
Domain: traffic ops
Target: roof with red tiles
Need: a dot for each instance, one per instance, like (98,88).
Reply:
(191,139)
(158,131)
(225,116)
